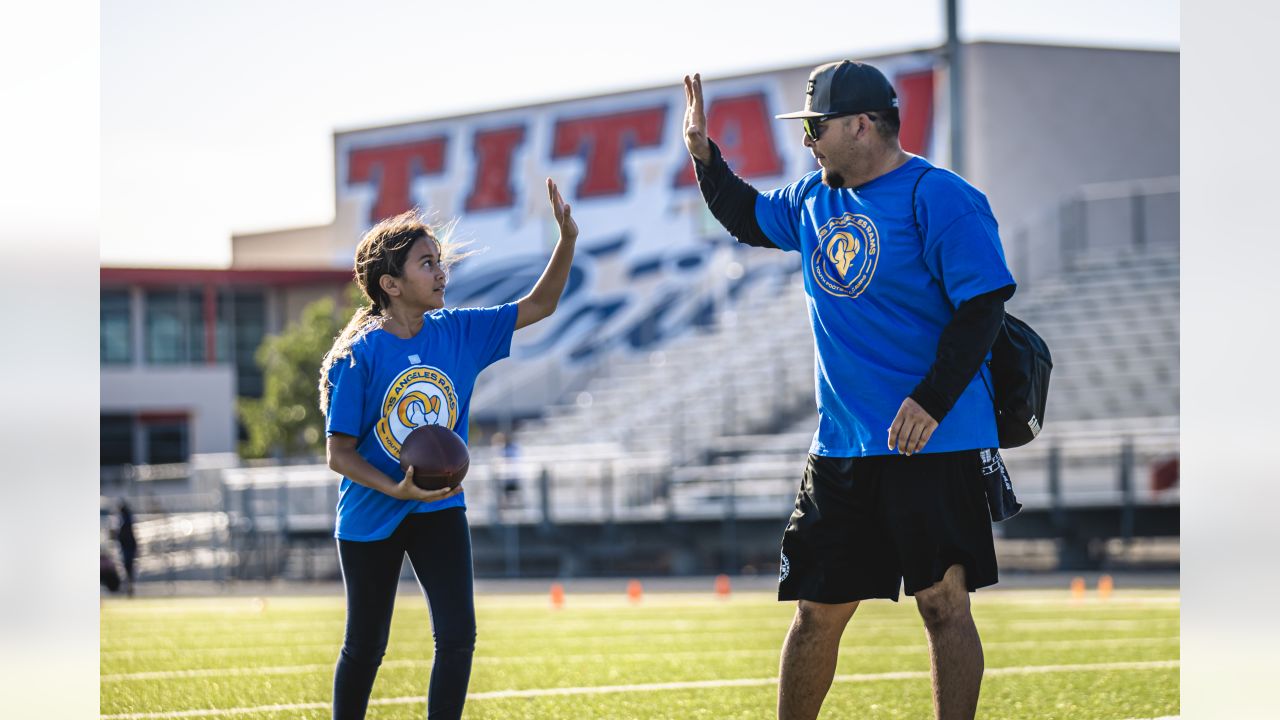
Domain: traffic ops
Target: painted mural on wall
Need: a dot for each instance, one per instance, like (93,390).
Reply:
(651,261)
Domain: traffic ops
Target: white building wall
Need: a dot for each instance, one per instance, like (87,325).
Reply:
(206,393)
(1044,120)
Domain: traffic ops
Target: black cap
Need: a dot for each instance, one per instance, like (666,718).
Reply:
(845,87)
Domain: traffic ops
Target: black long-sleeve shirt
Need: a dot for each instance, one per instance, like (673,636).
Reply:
(965,340)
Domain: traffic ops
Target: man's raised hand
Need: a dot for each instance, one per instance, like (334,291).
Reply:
(695,119)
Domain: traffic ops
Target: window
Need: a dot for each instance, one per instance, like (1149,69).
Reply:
(115,328)
(224,327)
(177,333)
(166,440)
(116,440)
(250,312)
(143,439)
(175,326)
(168,327)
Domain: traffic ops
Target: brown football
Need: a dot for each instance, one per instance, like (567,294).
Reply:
(438,456)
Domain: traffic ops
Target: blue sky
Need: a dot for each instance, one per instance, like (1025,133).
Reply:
(218,117)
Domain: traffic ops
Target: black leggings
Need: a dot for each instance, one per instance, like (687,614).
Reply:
(439,548)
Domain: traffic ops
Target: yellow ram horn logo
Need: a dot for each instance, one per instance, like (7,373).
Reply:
(842,249)
(415,406)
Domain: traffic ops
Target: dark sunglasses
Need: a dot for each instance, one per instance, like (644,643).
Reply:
(813,126)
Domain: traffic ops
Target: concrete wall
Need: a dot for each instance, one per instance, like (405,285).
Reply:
(292,249)
(1044,120)
(323,246)
(205,393)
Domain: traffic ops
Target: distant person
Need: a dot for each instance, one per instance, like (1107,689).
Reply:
(505,468)
(128,545)
(404,350)
(906,283)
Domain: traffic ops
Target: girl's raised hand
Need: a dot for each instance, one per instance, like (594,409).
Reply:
(561,210)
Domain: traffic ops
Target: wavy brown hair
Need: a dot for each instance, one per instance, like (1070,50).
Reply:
(383,251)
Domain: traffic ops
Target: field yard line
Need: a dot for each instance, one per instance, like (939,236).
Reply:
(649,687)
(879,628)
(497,660)
(1033,669)
(237,649)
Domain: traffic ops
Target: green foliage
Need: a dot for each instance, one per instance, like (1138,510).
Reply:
(286,421)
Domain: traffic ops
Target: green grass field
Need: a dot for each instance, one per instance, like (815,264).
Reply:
(669,656)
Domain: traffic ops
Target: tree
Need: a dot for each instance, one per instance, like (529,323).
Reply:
(286,421)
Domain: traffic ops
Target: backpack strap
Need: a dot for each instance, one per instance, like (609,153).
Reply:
(916,220)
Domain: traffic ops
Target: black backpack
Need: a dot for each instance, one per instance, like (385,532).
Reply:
(1020,365)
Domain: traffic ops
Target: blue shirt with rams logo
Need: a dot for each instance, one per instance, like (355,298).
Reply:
(396,385)
(880,292)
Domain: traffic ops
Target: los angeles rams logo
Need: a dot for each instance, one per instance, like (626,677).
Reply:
(421,395)
(845,260)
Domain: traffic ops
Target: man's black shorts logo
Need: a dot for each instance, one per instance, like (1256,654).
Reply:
(1001,500)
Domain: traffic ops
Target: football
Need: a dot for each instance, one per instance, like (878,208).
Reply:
(438,456)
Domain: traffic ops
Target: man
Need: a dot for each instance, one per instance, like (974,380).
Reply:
(906,282)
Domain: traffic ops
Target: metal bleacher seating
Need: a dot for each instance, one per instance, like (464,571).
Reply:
(752,368)
(733,408)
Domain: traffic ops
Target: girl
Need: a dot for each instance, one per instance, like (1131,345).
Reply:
(401,362)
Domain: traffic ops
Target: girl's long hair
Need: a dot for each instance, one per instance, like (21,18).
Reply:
(383,251)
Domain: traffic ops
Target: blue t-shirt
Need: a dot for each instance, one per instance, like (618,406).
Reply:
(396,385)
(880,292)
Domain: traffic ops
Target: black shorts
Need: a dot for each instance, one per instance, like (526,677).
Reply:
(863,526)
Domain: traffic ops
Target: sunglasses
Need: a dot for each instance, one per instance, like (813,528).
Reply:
(813,126)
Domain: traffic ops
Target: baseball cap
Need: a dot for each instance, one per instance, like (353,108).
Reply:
(845,87)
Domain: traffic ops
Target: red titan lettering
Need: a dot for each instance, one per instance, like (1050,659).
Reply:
(493,150)
(394,167)
(915,93)
(604,139)
(740,126)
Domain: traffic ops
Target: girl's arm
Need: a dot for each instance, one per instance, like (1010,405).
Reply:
(343,458)
(545,295)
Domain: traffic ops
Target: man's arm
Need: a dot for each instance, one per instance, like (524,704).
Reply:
(731,200)
(964,344)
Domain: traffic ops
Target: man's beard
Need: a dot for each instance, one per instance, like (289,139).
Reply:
(832,179)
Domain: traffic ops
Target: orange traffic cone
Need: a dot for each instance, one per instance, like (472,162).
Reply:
(722,586)
(1077,588)
(634,591)
(557,596)
(1105,586)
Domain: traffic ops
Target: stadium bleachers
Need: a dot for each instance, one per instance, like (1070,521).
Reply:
(733,408)
(1111,323)
(753,368)
(714,428)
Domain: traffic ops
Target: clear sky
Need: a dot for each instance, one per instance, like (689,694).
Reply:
(218,117)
